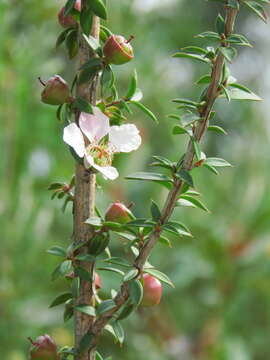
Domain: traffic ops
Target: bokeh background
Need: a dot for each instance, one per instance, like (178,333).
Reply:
(220,309)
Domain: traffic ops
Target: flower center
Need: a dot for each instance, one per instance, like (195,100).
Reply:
(100,154)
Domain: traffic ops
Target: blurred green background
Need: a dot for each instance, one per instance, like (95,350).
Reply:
(220,308)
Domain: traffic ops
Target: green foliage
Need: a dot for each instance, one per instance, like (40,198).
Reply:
(222,272)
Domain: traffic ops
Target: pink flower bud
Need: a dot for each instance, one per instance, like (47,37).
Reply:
(98,284)
(97,281)
(152,290)
(69,20)
(44,348)
(117,50)
(56,91)
(118,212)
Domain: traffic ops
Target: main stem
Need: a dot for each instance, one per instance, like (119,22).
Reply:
(84,206)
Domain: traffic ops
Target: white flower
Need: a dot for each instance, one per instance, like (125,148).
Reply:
(96,141)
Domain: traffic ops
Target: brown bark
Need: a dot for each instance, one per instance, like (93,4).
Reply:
(84,206)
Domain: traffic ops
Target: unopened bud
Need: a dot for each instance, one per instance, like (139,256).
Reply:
(68,20)
(118,212)
(117,50)
(44,348)
(152,290)
(56,91)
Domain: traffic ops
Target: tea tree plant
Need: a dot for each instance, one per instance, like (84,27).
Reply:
(95,128)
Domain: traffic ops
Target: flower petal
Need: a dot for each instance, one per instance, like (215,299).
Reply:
(95,126)
(74,138)
(108,172)
(124,138)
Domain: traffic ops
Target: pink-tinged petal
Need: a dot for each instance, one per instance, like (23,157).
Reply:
(95,126)
(74,138)
(124,138)
(108,172)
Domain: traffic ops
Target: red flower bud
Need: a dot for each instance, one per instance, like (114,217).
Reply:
(117,50)
(118,212)
(152,290)
(69,20)
(56,91)
(44,348)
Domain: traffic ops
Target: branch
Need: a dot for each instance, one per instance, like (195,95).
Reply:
(199,131)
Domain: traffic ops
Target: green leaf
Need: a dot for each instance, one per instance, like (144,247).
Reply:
(177,228)
(61,299)
(98,356)
(83,105)
(119,261)
(57,251)
(92,42)
(156,214)
(186,101)
(220,24)
(149,176)
(68,313)
(160,276)
(238,39)
(86,20)
(187,200)
(111,269)
(91,63)
(228,52)
(131,275)
(217,129)
(144,109)
(191,56)
(69,6)
(257,9)
(88,74)
(62,37)
(94,221)
(86,309)
(211,168)
(118,331)
(233,4)
(75,287)
(72,44)
(239,94)
(226,93)
(107,78)
(209,35)
(165,241)
(195,49)
(179,130)
(185,176)
(217,162)
(98,8)
(82,273)
(135,292)
(126,311)
(85,257)
(85,342)
(197,149)
(205,79)
(132,86)
(62,269)
(105,306)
